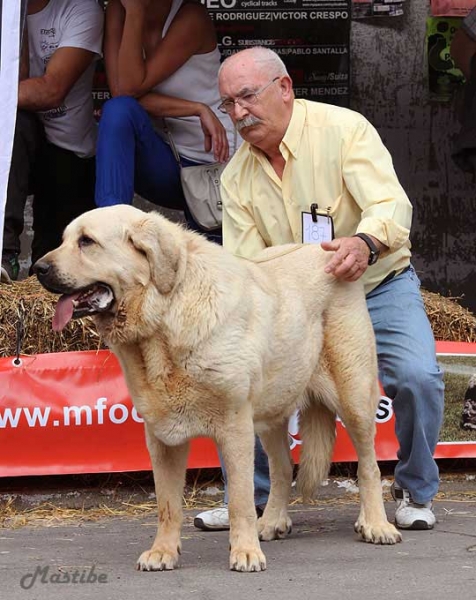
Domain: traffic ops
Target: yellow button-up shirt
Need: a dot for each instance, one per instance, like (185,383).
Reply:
(334,158)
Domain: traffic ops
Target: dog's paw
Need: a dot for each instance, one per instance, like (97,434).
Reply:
(381,533)
(274,529)
(247,560)
(158,559)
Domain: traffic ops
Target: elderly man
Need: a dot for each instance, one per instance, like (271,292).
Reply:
(55,136)
(319,173)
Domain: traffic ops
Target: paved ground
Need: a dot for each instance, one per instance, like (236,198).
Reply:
(321,559)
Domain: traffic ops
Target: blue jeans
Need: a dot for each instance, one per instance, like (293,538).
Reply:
(410,376)
(132,157)
(261,480)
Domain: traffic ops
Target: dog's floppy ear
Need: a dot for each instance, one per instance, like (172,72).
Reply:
(161,249)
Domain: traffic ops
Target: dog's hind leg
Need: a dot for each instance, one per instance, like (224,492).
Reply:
(275,522)
(236,441)
(169,464)
(359,420)
(351,360)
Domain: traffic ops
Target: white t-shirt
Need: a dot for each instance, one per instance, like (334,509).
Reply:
(73,24)
(195,80)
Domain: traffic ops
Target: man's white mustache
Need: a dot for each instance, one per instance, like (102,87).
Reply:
(248,121)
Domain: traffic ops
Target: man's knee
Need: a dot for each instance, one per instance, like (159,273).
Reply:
(119,111)
(420,383)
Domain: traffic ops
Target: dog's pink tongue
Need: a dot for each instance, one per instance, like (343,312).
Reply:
(63,312)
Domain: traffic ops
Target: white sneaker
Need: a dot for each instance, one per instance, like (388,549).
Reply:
(410,514)
(216,519)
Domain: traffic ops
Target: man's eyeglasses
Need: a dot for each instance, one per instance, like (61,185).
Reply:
(228,106)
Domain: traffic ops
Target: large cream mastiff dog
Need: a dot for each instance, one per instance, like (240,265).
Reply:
(213,345)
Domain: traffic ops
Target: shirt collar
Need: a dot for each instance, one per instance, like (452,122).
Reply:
(293,136)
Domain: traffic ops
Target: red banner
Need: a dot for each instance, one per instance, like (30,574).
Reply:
(71,413)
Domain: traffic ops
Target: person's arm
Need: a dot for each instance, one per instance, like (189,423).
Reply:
(191,32)
(62,71)
(113,27)
(80,45)
(369,175)
(386,211)
(160,105)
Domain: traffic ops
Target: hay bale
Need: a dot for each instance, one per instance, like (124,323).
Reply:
(449,320)
(26,311)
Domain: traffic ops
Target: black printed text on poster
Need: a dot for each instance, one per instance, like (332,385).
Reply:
(311,36)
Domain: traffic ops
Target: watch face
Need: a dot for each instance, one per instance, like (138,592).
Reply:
(373,257)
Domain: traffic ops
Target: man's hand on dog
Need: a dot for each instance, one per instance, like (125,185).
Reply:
(351,258)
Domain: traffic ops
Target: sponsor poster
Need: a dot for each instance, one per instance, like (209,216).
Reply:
(443,76)
(71,413)
(100,90)
(100,87)
(362,9)
(311,36)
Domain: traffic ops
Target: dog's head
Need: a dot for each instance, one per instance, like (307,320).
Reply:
(112,260)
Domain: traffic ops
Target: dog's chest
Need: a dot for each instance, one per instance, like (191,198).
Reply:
(176,407)
(174,430)
(178,418)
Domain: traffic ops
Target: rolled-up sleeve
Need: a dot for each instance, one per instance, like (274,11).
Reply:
(370,177)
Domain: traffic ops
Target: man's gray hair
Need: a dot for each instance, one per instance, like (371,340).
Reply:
(266,60)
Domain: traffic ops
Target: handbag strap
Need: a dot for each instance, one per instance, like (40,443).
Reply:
(174,147)
(171,142)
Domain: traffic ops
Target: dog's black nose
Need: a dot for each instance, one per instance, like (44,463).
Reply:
(40,268)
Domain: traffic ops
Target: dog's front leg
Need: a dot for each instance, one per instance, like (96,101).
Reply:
(169,464)
(236,443)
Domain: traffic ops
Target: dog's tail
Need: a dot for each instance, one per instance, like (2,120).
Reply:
(317,429)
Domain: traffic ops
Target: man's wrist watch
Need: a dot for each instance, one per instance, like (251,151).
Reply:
(374,251)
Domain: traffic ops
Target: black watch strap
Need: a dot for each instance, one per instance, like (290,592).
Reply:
(374,251)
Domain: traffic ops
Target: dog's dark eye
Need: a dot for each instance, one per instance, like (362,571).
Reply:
(84,240)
